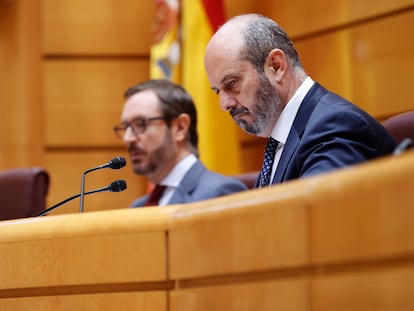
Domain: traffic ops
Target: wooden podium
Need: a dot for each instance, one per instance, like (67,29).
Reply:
(338,241)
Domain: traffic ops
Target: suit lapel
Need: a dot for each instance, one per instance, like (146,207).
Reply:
(305,110)
(182,194)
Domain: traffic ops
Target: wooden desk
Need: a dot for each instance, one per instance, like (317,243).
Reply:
(338,241)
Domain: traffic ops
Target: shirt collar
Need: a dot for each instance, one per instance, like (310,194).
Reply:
(175,176)
(284,123)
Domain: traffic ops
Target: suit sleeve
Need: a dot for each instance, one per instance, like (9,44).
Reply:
(340,139)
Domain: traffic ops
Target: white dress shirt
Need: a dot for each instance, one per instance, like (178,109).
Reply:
(282,128)
(175,176)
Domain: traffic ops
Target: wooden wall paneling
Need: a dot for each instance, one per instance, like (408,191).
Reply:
(66,168)
(358,235)
(84,99)
(301,17)
(21,118)
(252,151)
(97,26)
(381,229)
(113,254)
(288,294)
(375,288)
(233,8)
(221,244)
(384,64)
(95,261)
(358,64)
(149,300)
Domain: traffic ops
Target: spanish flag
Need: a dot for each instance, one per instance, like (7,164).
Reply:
(191,29)
(219,143)
(166,49)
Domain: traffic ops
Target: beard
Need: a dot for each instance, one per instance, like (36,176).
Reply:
(157,158)
(266,108)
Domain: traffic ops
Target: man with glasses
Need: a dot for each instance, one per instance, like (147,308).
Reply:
(159,129)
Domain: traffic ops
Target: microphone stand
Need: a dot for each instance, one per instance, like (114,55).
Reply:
(116,186)
(115,163)
(65,201)
(82,189)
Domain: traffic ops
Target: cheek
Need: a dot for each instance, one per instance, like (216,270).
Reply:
(248,96)
(250,85)
(152,139)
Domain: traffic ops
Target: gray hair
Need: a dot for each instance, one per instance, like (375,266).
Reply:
(261,35)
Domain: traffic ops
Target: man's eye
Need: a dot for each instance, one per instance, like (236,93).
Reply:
(138,123)
(231,84)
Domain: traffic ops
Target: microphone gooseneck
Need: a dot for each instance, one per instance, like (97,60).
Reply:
(115,163)
(116,186)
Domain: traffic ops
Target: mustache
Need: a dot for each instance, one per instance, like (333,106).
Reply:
(132,149)
(238,110)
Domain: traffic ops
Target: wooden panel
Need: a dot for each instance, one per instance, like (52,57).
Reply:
(66,169)
(97,26)
(380,290)
(222,238)
(68,251)
(20,87)
(84,99)
(233,8)
(356,64)
(154,301)
(252,151)
(263,296)
(96,261)
(67,261)
(302,17)
(379,224)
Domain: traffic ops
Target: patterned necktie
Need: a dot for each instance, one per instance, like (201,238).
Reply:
(155,195)
(269,155)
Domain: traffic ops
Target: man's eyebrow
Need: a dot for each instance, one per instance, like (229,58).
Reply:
(222,82)
(226,77)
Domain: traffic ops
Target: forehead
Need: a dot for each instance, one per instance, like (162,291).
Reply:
(142,104)
(221,66)
(223,56)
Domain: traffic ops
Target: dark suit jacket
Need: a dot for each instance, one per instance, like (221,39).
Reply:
(200,184)
(329,133)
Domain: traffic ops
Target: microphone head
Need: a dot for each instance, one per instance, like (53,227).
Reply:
(117,163)
(117,186)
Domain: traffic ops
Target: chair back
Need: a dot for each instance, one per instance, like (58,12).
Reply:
(23,192)
(401,126)
(249,178)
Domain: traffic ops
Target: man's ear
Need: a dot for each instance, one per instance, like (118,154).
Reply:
(276,65)
(180,126)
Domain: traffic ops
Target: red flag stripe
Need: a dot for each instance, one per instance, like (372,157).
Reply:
(215,13)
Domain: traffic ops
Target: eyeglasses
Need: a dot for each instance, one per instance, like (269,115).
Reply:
(138,126)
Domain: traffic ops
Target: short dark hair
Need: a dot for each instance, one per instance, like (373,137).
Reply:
(173,100)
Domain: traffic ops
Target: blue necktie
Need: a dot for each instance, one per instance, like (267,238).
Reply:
(269,155)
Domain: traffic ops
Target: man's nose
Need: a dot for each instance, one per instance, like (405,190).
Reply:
(227,102)
(129,135)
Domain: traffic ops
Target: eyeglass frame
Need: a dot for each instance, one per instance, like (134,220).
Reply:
(138,129)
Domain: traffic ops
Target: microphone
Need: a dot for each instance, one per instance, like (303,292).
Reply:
(116,186)
(115,163)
